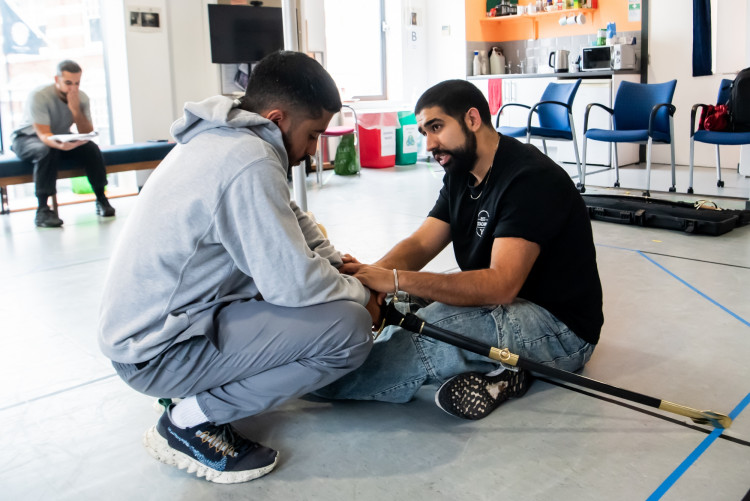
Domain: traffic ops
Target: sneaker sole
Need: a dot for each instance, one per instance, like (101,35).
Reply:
(159,449)
(479,403)
(460,416)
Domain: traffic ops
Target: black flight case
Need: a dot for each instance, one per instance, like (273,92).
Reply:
(702,217)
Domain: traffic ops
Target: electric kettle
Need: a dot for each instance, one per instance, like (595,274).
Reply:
(559,60)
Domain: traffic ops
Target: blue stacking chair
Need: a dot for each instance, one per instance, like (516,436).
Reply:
(643,114)
(714,137)
(555,113)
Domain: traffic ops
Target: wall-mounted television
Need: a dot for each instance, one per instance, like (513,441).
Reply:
(244,34)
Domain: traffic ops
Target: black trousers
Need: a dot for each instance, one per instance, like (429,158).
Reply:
(46,161)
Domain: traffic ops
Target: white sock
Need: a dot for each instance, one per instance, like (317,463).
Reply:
(187,413)
(500,370)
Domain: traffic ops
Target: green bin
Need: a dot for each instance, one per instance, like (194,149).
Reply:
(407,136)
(81,185)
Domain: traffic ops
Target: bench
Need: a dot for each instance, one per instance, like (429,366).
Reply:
(117,158)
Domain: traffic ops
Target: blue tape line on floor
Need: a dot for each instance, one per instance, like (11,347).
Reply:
(705,296)
(697,291)
(688,462)
(706,443)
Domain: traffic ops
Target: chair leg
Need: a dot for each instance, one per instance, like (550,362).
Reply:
(719,182)
(319,161)
(578,160)
(356,148)
(4,208)
(544,145)
(617,164)
(692,163)
(647,193)
(575,146)
(673,188)
(582,179)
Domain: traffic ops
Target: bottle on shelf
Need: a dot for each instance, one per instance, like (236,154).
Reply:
(476,65)
(484,63)
(497,62)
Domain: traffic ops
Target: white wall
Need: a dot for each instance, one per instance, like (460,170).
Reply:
(194,76)
(446,39)
(423,55)
(149,75)
(312,26)
(153,73)
(670,48)
(413,63)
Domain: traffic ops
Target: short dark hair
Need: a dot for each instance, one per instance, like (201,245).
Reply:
(293,81)
(455,97)
(69,66)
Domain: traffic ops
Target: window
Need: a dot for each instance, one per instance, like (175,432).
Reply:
(355,47)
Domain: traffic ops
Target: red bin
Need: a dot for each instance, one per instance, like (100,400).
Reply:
(377,139)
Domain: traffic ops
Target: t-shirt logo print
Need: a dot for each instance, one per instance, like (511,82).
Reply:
(482,220)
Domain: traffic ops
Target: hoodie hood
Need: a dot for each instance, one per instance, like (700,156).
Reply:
(221,112)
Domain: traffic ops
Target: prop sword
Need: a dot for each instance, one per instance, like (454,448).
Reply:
(411,322)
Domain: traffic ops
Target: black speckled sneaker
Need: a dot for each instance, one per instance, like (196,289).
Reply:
(46,218)
(104,209)
(473,395)
(216,452)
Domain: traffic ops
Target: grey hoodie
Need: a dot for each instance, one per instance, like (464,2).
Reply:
(213,224)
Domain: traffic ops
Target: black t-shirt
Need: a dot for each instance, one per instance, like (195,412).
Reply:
(527,195)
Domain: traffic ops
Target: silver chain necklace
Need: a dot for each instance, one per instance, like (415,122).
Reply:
(487,176)
(484,183)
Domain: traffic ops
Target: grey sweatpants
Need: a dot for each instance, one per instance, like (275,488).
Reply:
(264,355)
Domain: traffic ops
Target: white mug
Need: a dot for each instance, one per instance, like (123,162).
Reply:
(520,10)
(531,8)
(563,21)
(570,20)
(581,18)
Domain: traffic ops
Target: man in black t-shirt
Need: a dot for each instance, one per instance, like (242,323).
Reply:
(528,280)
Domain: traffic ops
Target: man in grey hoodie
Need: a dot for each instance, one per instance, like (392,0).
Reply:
(221,290)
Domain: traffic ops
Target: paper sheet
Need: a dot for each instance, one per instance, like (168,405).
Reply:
(67,138)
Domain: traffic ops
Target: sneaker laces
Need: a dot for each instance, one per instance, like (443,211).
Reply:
(225,440)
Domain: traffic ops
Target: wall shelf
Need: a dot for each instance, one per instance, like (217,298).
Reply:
(533,18)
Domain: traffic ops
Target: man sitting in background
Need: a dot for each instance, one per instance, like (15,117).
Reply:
(50,110)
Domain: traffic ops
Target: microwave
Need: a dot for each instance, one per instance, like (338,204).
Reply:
(623,57)
(596,58)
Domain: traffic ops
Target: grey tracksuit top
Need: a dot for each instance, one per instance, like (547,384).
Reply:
(213,224)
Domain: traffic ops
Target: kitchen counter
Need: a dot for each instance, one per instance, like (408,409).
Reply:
(578,74)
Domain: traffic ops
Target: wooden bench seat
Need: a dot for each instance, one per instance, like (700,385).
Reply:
(117,158)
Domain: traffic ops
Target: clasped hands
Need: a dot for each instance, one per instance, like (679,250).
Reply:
(378,280)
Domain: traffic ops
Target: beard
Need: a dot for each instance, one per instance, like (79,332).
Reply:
(291,162)
(462,159)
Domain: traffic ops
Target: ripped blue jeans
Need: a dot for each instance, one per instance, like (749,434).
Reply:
(400,362)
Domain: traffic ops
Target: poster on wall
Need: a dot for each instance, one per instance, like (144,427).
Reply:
(146,19)
(634,10)
(414,26)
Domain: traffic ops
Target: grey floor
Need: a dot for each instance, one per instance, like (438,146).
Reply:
(677,327)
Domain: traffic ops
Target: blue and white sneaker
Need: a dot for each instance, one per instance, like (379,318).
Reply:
(216,452)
